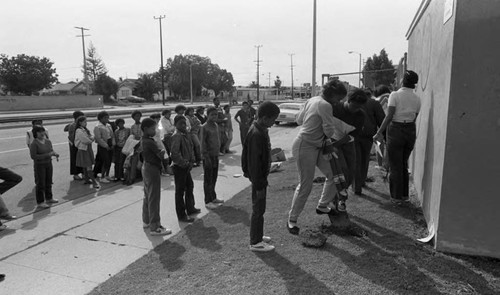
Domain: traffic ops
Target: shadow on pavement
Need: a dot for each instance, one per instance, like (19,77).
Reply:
(203,237)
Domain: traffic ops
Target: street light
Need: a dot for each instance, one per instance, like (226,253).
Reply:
(359,82)
(191,80)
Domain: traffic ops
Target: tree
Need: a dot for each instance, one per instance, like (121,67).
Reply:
(178,73)
(377,63)
(253,85)
(106,86)
(277,84)
(147,85)
(26,74)
(219,79)
(95,65)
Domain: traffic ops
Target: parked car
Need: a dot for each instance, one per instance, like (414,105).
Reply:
(289,112)
(133,98)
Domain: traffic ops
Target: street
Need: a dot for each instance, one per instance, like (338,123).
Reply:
(14,155)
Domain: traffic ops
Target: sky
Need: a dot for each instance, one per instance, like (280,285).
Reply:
(126,35)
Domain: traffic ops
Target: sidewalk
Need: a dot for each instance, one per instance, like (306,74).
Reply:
(73,247)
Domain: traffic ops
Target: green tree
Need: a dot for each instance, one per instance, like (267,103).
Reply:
(219,79)
(95,65)
(106,86)
(253,85)
(24,74)
(386,72)
(147,85)
(178,73)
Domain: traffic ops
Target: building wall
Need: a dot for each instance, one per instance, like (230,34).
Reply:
(470,222)
(26,103)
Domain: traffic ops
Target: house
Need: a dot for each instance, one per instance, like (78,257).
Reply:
(70,88)
(125,88)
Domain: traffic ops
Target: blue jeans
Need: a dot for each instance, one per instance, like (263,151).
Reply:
(257,219)
(210,170)
(400,142)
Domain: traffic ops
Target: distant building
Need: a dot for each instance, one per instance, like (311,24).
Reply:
(70,88)
(125,88)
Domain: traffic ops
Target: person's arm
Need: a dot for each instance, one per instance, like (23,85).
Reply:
(83,137)
(66,128)
(176,153)
(28,138)
(202,142)
(236,116)
(300,117)
(98,137)
(390,114)
(113,139)
(379,113)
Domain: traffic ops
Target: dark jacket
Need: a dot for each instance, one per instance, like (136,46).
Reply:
(256,156)
(374,116)
(340,111)
(182,151)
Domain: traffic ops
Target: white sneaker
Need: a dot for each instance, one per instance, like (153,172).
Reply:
(266,239)
(218,201)
(261,247)
(42,206)
(160,231)
(104,180)
(211,206)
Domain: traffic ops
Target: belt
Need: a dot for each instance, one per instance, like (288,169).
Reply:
(404,123)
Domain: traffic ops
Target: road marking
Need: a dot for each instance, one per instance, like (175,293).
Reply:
(13,137)
(24,149)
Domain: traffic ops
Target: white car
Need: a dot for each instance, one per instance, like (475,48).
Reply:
(289,112)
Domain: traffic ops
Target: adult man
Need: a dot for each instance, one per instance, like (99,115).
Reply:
(10,179)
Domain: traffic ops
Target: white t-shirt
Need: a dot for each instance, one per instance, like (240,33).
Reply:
(407,105)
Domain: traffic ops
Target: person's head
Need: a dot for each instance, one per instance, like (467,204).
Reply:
(410,79)
(38,132)
(137,115)
(81,122)
(227,108)
(77,114)
(368,92)
(189,112)
(180,109)
(120,123)
(103,117)
(381,90)
(37,122)
(200,110)
(216,101)
(156,117)
(166,113)
(244,105)
(356,99)
(211,114)
(268,113)
(180,123)
(148,127)
(250,102)
(334,91)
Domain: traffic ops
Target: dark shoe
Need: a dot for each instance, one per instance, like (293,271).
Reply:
(186,219)
(324,210)
(8,217)
(369,179)
(2,277)
(294,230)
(358,193)
(194,211)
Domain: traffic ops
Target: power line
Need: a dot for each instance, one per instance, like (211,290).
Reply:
(159,18)
(85,80)
(258,66)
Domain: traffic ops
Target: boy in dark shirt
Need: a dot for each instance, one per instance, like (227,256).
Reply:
(182,156)
(210,146)
(151,174)
(243,118)
(256,163)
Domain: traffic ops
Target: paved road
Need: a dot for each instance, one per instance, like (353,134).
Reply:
(14,155)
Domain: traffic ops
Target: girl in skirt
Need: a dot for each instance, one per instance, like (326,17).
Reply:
(85,154)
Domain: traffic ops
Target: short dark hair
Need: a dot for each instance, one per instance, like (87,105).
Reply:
(135,113)
(358,96)
(381,90)
(244,103)
(226,107)
(155,116)
(37,129)
(37,122)
(410,79)
(147,122)
(189,110)
(166,111)
(250,101)
(179,107)
(215,98)
(268,109)
(211,110)
(334,87)
(179,118)
(77,114)
(102,114)
(118,121)
(200,108)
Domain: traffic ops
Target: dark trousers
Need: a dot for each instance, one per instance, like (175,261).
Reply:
(243,133)
(363,150)
(184,198)
(257,219)
(43,178)
(210,170)
(223,138)
(400,142)
(119,159)
(9,180)
(73,170)
(102,161)
(349,151)
(151,175)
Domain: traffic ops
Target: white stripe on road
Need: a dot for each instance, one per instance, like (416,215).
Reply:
(13,137)
(24,149)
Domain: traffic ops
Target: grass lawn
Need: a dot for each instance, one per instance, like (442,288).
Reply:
(212,257)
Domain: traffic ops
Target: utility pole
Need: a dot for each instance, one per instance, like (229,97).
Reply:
(258,66)
(85,80)
(269,73)
(313,84)
(159,18)
(291,69)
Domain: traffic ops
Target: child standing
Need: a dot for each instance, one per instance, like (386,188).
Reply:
(194,134)
(256,162)
(151,174)
(30,137)
(71,128)
(210,145)
(103,134)
(229,129)
(182,161)
(121,135)
(168,129)
(41,152)
(135,129)
(243,118)
(85,154)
